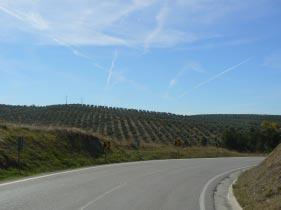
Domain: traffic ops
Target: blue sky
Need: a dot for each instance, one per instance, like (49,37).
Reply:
(180,56)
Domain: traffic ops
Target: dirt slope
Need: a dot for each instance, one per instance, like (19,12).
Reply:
(260,187)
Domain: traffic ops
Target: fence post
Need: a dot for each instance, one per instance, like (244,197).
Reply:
(20,143)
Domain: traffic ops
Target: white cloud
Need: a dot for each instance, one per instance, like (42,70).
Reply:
(76,52)
(119,78)
(189,66)
(115,77)
(217,42)
(160,22)
(194,66)
(32,19)
(132,23)
(79,23)
(37,21)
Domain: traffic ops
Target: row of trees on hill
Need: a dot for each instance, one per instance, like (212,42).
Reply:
(140,126)
(123,125)
(262,139)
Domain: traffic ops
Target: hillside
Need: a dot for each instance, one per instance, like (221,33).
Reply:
(260,187)
(134,126)
(46,149)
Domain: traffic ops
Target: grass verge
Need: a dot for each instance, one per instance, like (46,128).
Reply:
(48,150)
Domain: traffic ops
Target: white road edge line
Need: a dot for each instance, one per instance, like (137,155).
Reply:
(77,170)
(103,195)
(66,172)
(43,176)
(203,192)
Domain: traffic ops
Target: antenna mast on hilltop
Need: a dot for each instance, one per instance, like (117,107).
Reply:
(81,100)
(66,99)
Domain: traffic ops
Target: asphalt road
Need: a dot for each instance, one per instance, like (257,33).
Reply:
(151,185)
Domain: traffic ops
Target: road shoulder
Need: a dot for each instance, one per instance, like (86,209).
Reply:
(224,198)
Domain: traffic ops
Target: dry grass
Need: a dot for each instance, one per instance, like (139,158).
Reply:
(260,187)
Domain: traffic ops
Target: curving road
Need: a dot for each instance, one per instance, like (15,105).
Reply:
(150,185)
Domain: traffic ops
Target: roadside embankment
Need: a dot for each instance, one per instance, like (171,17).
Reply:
(260,188)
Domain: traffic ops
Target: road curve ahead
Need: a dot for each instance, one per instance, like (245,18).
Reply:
(149,185)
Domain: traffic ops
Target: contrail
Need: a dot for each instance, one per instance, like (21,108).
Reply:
(12,13)
(215,77)
(76,52)
(110,71)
